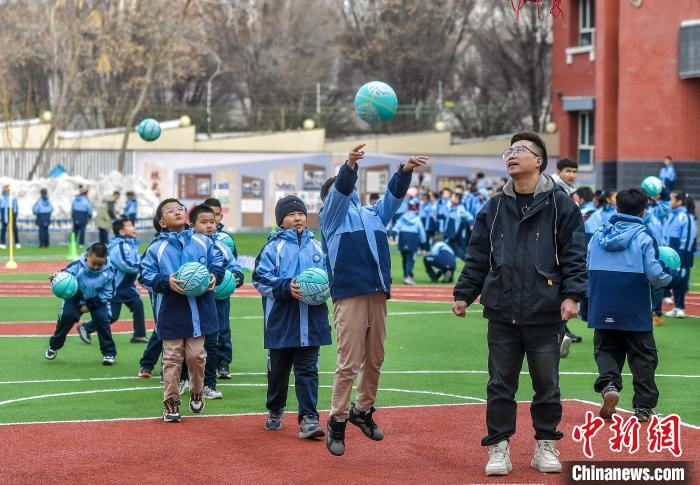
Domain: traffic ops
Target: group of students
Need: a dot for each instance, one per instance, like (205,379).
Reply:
(193,331)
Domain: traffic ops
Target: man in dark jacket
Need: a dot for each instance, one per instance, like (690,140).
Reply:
(527,260)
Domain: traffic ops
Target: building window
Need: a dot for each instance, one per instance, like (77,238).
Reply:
(586,23)
(586,138)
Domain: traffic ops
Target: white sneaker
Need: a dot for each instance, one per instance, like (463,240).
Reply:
(18,246)
(409,281)
(668,301)
(499,459)
(565,347)
(676,313)
(680,313)
(210,393)
(184,384)
(3,246)
(546,457)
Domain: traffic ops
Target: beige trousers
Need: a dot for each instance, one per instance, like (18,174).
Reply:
(360,327)
(174,352)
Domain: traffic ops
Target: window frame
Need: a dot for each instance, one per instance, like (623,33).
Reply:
(586,23)
(586,138)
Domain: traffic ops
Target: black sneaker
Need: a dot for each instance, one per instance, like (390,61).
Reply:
(108,360)
(335,439)
(223,371)
(366,423)
(643,414)
(50,354)
(611,396)
(84,334)
(171,410)
(196,402)
(139,340)
(575,339)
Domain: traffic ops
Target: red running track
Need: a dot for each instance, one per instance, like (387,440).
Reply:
(423,445)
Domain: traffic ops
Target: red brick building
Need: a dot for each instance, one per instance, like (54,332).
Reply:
(626,89)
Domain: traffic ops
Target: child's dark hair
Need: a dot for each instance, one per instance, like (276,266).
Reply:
(585,193)
(686,200)
(156,224)
(374,197)
(159,209)
(98,249)
(118,225)
(130,193)
(213,202)
(602,198)
(199,209)
(326,187)
(631,202)
(534,138)
(563,163)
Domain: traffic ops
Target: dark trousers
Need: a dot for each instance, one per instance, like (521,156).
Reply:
(136,308)
(680,290)
(70,314)
(79,231)
(610,349)
(508,344)
(211,343)
(3,232)
(104,235)
(409,260)
(433,267)
(151,353)
(225,346)
(43,235)
(657,296)
(305,363)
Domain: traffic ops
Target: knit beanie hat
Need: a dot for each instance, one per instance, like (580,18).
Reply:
(286,205)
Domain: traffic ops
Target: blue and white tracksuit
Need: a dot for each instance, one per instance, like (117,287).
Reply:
(680,232)
(81,213)
(455,232)
(131,209)
(293,331)
(411,235)
(42,209)
(5,206)
(601,215)
(354,235)
(667,174)
(178,316)
(623,268)
(441,259)
(95,291)
(662,210)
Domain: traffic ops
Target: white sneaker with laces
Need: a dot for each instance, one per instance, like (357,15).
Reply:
(546,457)
(565,347)
(183,385)
(676,313)
(210,393)
(18,246)
(3,246)
(668,301)
(499,459)
(680,313)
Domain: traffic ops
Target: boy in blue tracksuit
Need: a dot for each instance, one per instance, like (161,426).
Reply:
(667,174)
(428,216)
(81,213)
(456,218)
(181,321)
(131,207)
(42,210)
(294,331)
(359,267)
(441,261)
(680,233)
(95,277)
(656,231)
(411,235)
(623,267)
(8,206)
(125,259)
(223,307)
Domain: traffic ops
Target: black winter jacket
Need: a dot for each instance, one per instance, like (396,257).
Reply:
(524,269)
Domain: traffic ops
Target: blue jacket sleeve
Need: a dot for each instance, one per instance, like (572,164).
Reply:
(265,277)
(35,208)
(393,197)
(216,264)
(654,269)
(124,259)
(337,202)
(421,233)
(151,276)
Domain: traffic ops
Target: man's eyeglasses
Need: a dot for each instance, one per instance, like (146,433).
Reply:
(175,210)
(517,150)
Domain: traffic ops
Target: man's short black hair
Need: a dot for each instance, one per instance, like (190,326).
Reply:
(563,163)
(326,187)
(534,138)
(118,224)
(631,202)
(99,250)
(585,193)
(213,202)
(199,209)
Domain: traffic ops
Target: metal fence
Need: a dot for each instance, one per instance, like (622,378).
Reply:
(91,164)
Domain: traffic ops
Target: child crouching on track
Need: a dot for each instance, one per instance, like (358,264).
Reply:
(95,278)
(181,321)
(294,331)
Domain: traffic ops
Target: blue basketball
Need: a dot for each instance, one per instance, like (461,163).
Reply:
(64,285)
(670,257)
(652,186)
(313,284)
(149,129)
(195,278)
(376,101)
(226,239)
(226,288)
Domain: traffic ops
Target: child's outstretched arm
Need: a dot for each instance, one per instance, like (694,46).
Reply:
(337,201)
(397,188)
(265,277)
